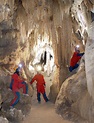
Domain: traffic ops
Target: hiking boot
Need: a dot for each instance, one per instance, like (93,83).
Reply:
(47,100)
(11,108)
(26,94)
(39,102)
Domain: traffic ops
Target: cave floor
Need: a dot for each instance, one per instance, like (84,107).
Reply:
(44,113)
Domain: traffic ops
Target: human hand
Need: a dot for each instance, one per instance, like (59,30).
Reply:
(9,89)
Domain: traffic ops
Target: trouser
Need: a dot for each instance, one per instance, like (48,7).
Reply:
(72,68)
(16,99)
(24,86)
(17,94)
(44,96)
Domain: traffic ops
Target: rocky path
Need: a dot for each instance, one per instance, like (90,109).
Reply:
(43,113)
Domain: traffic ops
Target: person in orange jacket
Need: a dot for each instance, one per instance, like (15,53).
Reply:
(15,85)
(40,86)
(75,59)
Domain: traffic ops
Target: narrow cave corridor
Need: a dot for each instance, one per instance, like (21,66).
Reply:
(41,36)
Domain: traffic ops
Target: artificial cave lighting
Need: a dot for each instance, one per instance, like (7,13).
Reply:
(77,46)
(20,65)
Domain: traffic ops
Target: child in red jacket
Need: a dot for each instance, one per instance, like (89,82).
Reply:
(40,86)
(75,59)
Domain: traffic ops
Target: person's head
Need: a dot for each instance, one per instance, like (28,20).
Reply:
(37,72)
(17,70)
(77,49)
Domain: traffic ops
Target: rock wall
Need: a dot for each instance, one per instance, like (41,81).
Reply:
(71,29)
(89,60)
(73,101)
(25,27)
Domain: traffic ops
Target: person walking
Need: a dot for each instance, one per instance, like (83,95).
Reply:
(40,86)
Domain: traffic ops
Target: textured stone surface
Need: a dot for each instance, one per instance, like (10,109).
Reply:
(27,27)
(89,58)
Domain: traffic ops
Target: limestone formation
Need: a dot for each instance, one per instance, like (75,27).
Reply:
(28,28)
